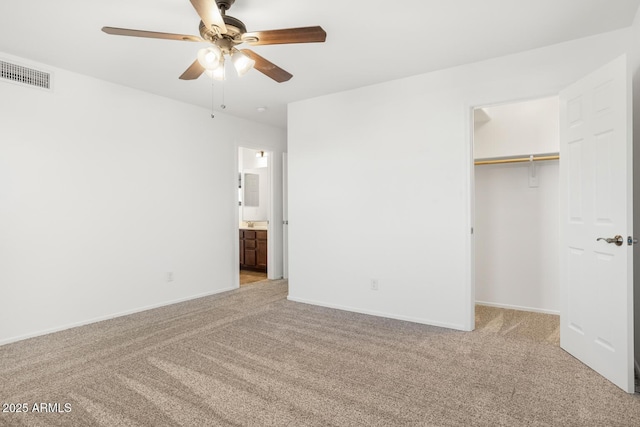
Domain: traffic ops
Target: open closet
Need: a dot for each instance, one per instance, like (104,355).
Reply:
(516,176)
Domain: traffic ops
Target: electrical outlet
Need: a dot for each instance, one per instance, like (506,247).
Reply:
(169,276)
(374,284)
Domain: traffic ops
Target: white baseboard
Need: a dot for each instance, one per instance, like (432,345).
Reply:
(518,307)
(110,316)
(381,314)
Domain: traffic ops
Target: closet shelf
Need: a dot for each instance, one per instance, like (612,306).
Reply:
(518,159)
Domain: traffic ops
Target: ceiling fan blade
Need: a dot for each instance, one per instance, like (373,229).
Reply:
(268,68)
(194,71)
(209,13)
(286,36)
(150,34)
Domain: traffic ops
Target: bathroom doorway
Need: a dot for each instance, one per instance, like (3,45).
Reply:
(254,198)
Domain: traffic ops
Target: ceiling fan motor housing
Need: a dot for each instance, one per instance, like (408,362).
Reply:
(225,4)
(233,36)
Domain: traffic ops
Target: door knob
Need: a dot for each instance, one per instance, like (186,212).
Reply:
(618,240)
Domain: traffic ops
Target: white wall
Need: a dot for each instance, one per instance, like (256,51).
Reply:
(105,189)
(516,234)
(250,160)
(520,128)
(380,186)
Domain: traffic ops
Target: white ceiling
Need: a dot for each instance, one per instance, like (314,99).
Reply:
(368,41)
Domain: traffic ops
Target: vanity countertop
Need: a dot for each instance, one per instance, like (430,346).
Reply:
(260,227)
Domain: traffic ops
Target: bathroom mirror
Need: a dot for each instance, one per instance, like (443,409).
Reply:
(251,189)
(255,194)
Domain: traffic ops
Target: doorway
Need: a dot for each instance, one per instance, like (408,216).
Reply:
(595,201)
(516,176)
(254,200)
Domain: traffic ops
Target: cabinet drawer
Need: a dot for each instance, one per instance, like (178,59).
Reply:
(261,234)
(250,244)
(248,234)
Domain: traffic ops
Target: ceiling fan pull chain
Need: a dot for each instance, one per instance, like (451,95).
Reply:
(223,106)
(212,104)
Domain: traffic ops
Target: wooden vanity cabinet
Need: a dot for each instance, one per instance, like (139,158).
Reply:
(253,249)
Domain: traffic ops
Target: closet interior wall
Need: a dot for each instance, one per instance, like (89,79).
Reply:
(516,207)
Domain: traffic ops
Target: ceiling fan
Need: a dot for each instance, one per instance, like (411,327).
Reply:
(225,32)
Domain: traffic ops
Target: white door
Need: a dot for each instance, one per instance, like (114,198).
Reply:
(596,202)
(285,216)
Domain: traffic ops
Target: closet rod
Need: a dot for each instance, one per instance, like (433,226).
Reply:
(517,160)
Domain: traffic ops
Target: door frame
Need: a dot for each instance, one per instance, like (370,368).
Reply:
(471,215)
(285,215)
(271,247)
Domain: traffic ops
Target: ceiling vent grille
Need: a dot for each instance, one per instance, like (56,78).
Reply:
(23,75)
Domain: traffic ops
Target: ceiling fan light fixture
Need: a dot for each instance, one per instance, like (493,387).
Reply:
(210,57)
(218,72)
(223,32)
(241,62)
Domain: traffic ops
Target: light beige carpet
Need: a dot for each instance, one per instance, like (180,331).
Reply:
(250,357)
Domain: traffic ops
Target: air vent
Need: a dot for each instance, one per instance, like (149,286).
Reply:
(25,76)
